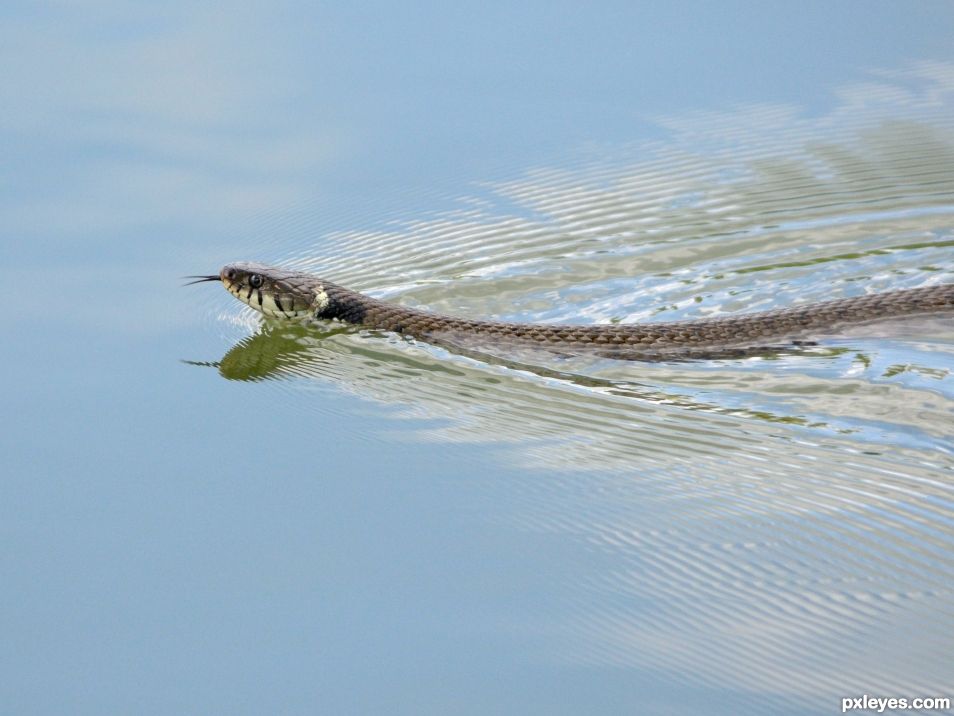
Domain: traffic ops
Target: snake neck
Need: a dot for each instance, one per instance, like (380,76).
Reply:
(332,301)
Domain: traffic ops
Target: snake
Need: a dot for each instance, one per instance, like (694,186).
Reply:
(294,295)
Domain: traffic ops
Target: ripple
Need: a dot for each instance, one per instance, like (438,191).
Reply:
(777,518)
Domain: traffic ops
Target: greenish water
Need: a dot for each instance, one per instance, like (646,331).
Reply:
(204,513)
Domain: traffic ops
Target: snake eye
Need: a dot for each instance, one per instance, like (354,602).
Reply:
(255,280)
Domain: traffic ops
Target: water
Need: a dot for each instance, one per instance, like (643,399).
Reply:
(202,513)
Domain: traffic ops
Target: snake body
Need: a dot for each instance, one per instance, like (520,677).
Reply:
(281,293)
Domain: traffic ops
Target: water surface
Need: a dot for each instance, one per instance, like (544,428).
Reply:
(206,513)
(760,523)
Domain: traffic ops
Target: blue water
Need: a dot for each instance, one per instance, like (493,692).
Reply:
(202,514)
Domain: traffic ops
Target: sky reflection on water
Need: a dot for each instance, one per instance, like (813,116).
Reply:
(374,526)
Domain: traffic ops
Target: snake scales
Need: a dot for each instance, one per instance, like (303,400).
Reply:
(281,293)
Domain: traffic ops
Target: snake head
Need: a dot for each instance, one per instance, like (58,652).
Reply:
(276,292)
